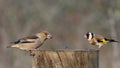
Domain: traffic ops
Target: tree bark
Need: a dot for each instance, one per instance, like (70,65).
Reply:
(66,59)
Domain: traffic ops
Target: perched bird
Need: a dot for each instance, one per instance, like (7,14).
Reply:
(97,39)
(31,43)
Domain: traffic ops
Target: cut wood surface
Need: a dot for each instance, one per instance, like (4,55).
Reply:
(66,59)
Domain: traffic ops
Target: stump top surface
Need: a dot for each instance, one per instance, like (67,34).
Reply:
(81,50)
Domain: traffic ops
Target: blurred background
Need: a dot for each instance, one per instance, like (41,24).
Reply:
(66,20)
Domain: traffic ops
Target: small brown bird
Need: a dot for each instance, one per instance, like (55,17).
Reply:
(31,43)
(97,39)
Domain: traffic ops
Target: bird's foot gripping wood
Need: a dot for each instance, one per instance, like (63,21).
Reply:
(31,51)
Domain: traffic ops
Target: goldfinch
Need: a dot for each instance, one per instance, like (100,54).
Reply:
(97,39)
(31,43)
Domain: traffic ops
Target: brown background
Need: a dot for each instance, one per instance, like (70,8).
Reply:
(67,20)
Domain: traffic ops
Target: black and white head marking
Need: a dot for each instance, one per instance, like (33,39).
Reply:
(89,35)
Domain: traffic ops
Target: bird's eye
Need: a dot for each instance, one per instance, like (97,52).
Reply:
(87,35)
(46,33)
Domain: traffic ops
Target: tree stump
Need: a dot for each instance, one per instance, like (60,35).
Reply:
(66,59)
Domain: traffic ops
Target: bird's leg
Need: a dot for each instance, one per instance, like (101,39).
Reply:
(32,50)
(99,46)
(32,53)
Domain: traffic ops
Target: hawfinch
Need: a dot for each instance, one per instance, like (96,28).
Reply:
(97,39)
(31,43)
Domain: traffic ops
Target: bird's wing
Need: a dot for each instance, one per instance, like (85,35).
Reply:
(30,39)
(100,39)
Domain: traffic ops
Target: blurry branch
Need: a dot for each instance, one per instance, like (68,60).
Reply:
(112,23)
(113,31)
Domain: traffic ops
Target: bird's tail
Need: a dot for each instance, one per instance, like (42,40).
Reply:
(12,44)
(15,42)
(112,40)
(9,46)
(115,41)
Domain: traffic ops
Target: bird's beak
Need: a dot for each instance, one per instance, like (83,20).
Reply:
(49,36)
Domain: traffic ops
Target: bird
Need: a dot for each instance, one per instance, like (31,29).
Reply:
(98,40)
(31,43)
